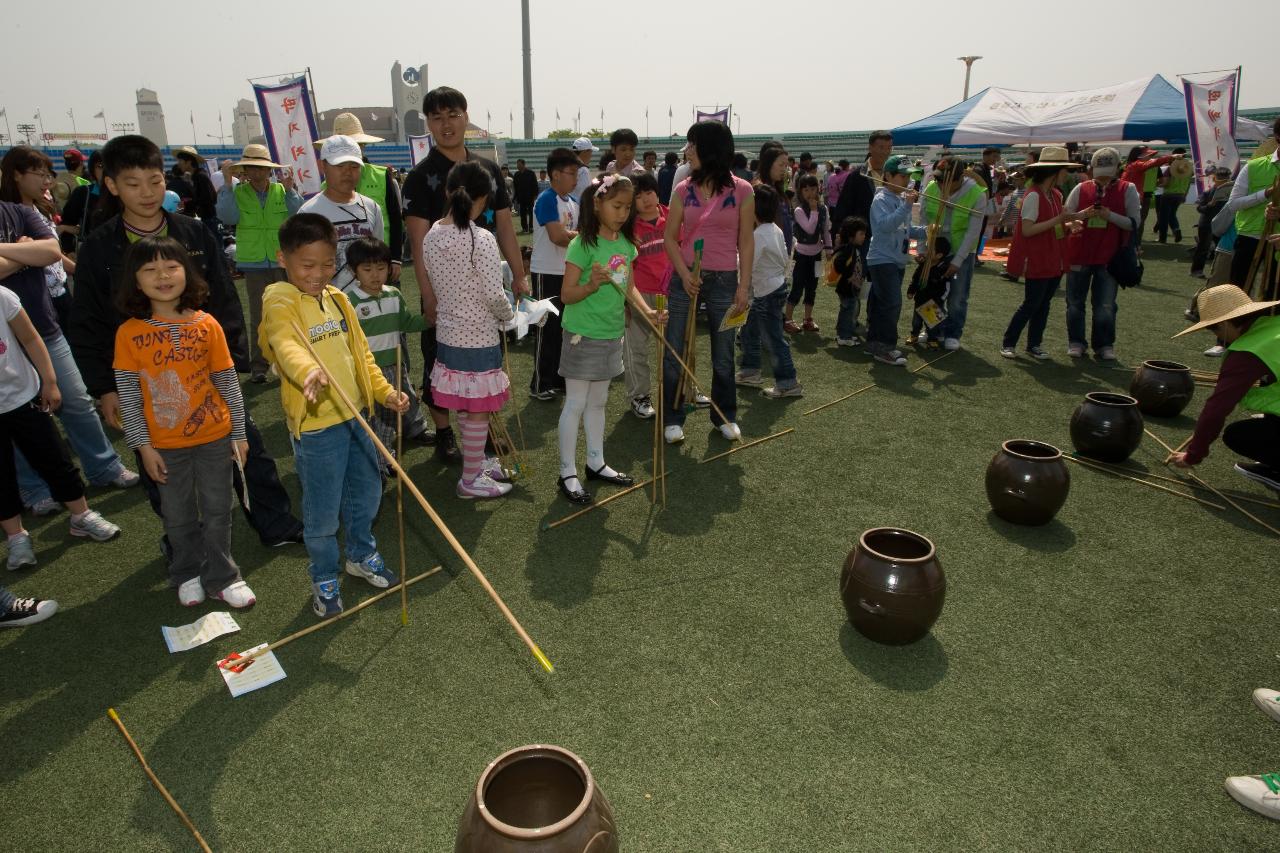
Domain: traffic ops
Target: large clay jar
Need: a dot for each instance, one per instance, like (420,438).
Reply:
(537,799)
(893,586)
(1162,388)
(1027,482)
(1107,426)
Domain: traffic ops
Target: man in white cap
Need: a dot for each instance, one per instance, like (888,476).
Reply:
(353,215)
(1247,377)
(583,147)
(256,207)
(379,184)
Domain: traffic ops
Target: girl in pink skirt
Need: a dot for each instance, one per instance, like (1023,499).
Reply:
(466,276)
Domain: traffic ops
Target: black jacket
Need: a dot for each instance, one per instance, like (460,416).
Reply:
(94,317)
(855,198)
(526,186)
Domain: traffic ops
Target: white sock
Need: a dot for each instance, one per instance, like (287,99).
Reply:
(593,423)
(18,535)
(575,402)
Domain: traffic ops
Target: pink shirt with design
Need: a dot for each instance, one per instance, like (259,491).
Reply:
(715,223)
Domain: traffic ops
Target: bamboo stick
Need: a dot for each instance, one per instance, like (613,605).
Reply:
(239,663)
(1196,486)
(551,525)
(748,444)
(659,442)
(428,509)
(1099,467)
(1242,510)
(155,780)
(841,400)
(404,588)
(933,361)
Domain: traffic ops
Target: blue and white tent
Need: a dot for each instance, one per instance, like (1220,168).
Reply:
(1139,110)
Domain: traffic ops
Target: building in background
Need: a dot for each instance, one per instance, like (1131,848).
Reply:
(408,86)
(151,118)
(246,126)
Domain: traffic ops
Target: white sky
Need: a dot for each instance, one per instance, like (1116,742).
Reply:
(823,65)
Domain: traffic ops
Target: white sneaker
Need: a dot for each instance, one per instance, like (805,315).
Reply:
(1259,793)
(45,506)
(483,486)
(1216,351)
(951,344)
(847,342)
(642,407)
(922,339)
(775,393)
(1107,353)
(125,479)
(237,595)
(1008,352)
(492,468)
(673,434)
(94,526)
(1075,350)
(1268,701)
(731,432)
(191,593)
(750,378)
(702,401)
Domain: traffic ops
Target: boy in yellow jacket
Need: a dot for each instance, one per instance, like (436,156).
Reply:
(337,464)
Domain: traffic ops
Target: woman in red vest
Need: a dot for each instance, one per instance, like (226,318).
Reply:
(1111,210)
(1039,244)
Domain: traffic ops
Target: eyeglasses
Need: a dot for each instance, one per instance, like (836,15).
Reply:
(44,176)
(450,116)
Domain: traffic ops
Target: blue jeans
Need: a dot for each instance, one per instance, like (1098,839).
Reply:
(1034,311)
(718,290)
(338,469)
(765,320)
(98,459)
(884,306)
(957,302)
(847,319)
(1095,282)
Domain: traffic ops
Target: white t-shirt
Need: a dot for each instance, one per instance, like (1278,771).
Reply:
(19,382)
(361,218)
(769,268)
(548,258)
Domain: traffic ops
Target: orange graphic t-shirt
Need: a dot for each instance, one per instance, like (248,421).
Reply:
(174,362)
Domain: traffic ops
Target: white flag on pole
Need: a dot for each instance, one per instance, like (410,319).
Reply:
(290,129)
(420,147)
(1211,122)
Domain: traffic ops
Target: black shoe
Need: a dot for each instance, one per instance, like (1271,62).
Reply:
(447,447)
(426,438)
(577,496)
(1257,472)
(1177,236)
(543,395)
(618,479)
(294,537)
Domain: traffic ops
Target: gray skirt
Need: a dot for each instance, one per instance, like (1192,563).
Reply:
(589,359)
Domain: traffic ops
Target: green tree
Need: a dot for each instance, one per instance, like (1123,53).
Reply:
(570,133)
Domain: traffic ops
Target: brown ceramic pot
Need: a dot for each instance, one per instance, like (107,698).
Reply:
(537,799)
(1107,426)
(1162,388)
(1027,482)
(893,586)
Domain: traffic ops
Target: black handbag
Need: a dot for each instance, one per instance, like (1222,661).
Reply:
(1125,266)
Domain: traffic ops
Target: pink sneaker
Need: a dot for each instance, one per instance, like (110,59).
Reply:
(482,486)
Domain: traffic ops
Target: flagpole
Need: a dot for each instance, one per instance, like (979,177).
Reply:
(12,141)
(103,113)
(646,122)
(195,140)
(40,121)
(75,134)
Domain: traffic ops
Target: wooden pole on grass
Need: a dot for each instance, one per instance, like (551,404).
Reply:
(1242,510)
(746,445)
(659,440)
(1097,466)
(238,663)
(404,589)
(427,508)
(551,525)
(155,780)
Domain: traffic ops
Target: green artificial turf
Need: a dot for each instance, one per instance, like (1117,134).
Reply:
(1086,687)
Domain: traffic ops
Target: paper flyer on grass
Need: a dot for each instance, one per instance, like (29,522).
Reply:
(207,627)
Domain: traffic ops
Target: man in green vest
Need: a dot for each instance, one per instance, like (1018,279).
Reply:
(1175,180)
(70,179)
(379,184)
(1247,378)
(1254,187)
(960,220)
(257,207)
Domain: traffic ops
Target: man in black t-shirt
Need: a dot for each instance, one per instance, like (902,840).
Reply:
(424,198)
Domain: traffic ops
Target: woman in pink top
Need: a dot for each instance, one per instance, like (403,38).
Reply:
(718,208)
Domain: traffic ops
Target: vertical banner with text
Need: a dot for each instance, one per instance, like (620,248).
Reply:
(290,129)
(1211,126)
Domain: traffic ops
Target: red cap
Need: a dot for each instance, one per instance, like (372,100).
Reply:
(73,155)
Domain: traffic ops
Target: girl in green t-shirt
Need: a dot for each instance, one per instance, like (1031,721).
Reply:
(597,287)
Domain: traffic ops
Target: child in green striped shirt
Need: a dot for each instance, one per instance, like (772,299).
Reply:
(385,320)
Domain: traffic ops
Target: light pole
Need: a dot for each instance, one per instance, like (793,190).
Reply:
(122,127)
(26,129)
(968,68)
(528,74)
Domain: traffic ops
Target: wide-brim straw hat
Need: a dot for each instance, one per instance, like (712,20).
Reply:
(188,150)
(257,155)
(348,124)
(1054,157)
(1182,168)
(1224,302)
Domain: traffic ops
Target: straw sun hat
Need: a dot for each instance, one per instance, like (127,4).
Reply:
(348,124)
(257,155)
(1224,302)
(1054,157)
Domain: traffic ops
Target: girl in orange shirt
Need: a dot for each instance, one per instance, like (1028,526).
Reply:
(183,413)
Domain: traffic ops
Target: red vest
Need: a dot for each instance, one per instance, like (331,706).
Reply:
(1096,246)
(1044,255)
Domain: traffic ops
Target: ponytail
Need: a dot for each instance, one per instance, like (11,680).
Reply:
(460,207)
(468,182)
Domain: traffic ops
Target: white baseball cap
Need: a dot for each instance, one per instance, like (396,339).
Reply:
(583,143)
(340,149)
